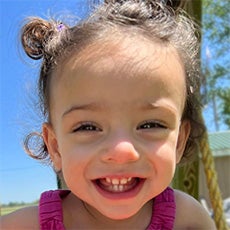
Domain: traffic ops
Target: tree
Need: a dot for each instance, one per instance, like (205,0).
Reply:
(186,177)
(216,65)
(225,96)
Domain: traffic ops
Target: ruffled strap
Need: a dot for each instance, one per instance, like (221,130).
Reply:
(164,211)
(50,210)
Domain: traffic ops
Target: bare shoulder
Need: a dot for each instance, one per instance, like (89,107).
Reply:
(190,214)
(26,218)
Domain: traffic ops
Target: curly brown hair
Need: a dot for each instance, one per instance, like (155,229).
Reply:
(158,20)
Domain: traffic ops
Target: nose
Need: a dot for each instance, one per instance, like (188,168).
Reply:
(120,153)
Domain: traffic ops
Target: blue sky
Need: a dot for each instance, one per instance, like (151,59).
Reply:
(21,177)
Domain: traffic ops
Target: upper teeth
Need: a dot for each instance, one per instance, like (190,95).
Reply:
(116,181)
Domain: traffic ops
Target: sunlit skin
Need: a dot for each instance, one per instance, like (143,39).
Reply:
(116,113)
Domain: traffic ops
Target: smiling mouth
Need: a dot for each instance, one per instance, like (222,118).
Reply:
(118,185)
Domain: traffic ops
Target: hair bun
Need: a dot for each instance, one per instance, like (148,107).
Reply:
(172,3)
(35,35)
(175,3)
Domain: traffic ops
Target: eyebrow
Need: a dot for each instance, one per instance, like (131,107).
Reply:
(153,105)
(91,106)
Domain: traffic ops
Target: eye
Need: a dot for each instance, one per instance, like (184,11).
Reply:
(151,125)
(87,127)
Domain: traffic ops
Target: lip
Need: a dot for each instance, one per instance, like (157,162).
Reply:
(120,195)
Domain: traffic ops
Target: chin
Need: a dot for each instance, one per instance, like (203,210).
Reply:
(118,215)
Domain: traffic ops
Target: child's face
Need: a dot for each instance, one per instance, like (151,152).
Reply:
(116,129)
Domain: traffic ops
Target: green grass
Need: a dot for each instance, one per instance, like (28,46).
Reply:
(7,210)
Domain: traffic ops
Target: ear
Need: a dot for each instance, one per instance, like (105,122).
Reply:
(184,132)
(52,145)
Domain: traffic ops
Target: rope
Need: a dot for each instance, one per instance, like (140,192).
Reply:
(212,182)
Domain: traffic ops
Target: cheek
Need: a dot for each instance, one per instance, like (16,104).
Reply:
(75,160)
(163,156)
(73,170)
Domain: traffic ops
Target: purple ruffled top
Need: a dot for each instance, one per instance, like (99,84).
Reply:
(51,216)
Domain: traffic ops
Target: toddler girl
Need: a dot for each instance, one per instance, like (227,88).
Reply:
(118,95)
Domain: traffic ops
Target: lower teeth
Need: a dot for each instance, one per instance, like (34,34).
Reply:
(116,188)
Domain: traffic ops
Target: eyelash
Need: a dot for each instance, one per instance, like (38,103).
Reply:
(90,127)
(86,127)
(151,125)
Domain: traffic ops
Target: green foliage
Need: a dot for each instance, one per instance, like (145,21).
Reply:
(16,204)
(225,96)
(216,36)
(216,19)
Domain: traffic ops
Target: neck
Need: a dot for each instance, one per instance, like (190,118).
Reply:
(78,214)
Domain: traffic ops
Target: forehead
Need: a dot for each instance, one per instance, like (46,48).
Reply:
(118,64)
(123,55)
